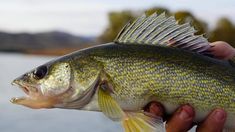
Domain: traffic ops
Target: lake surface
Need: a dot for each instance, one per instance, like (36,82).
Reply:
(15,118)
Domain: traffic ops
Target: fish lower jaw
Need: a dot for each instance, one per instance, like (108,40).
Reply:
(18,100)
(33,99)
(28,96)
(34,103)
(14,100)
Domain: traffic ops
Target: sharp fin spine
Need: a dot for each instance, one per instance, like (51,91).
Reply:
(146,24)
(161,30)
(134,27)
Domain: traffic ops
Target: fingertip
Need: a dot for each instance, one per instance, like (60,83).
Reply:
(219,43)
(155,108)
(214,122)
(182,119)
(219,115)
(187,112)
(212,44)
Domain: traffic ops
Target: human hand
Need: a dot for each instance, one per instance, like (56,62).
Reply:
(222,50)
(182,119)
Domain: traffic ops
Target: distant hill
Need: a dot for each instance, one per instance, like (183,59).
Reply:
(40,42)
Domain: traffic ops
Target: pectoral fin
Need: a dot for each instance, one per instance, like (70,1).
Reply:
(132,121)
(109,106)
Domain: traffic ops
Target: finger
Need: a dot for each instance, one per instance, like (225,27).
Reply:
(182,120)
(212,47)
(216,54)
(155,108)
(214,122)
(213,44)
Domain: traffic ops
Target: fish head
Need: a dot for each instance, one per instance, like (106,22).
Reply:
(44,86)
(63,83)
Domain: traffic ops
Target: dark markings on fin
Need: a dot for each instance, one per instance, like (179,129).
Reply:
(161,30)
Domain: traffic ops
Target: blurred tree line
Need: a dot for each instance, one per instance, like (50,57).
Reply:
(223,31)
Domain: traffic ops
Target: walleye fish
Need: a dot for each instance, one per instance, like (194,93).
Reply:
(152,59)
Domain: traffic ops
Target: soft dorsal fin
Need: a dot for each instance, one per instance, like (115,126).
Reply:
(164,31)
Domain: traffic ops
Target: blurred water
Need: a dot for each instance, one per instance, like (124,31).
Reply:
(21,119)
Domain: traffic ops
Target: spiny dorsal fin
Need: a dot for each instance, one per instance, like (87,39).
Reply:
(162,30)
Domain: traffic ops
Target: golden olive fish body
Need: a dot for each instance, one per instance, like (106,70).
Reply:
(152,59)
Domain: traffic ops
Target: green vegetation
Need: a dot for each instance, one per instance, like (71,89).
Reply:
(223,31)
(116,21)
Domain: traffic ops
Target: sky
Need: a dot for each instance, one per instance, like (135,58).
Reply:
(90,17)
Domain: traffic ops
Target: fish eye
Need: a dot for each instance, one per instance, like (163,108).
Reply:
(40,72)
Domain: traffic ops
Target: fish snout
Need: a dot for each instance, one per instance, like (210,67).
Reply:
(28,88)
(15,82)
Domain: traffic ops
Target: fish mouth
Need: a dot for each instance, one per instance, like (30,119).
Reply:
(14,100)
(25,88)
(33,98)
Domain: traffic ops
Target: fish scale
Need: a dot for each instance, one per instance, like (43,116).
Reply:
(187,80)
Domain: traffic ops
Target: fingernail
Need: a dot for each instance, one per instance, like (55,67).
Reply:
(219,115)
(186,112)
(156,109)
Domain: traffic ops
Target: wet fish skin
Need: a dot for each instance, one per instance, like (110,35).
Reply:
(174,77)
(165,70)
(142,73)
(145,63)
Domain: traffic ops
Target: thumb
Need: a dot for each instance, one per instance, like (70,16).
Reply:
(155,108)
